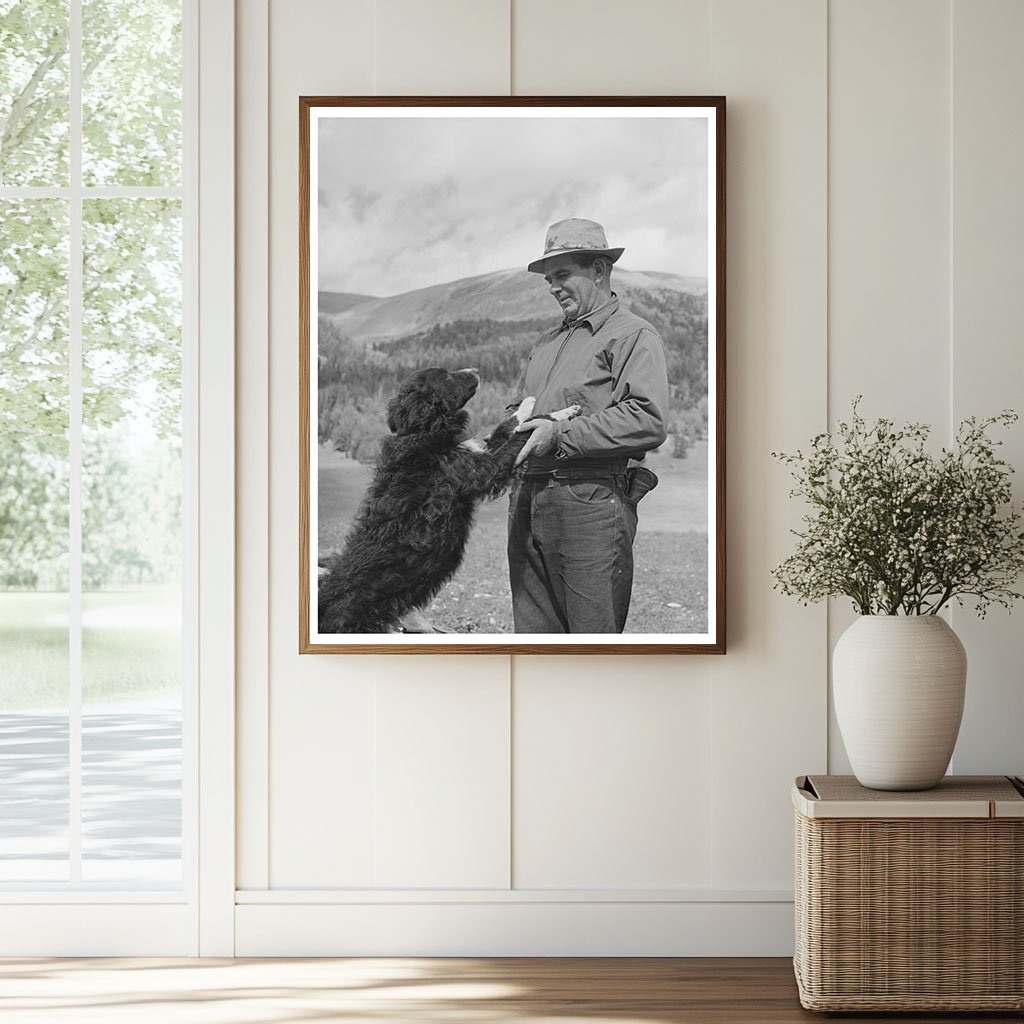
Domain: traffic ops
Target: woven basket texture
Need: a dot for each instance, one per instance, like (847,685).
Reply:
(912,914)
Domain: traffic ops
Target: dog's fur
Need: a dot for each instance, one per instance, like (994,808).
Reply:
(410,532)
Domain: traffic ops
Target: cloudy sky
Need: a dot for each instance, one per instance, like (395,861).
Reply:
(408,202)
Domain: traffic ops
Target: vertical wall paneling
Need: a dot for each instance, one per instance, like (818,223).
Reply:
(987,368)
(442,48)
(442,774)
(442,769)
(769,692)
(888,224)
(611,755)
(321,708)
(324,762)
(578,47)
(216,812)
(611,775)
(252,461)
(871,248)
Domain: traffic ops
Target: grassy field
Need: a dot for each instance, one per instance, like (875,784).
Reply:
(130,647)
(670,576)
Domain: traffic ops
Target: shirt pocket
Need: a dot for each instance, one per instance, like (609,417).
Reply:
(580,396)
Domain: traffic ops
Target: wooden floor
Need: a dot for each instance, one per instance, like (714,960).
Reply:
(381,991)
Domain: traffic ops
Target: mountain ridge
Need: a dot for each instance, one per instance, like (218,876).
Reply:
(340,302)
(502,295)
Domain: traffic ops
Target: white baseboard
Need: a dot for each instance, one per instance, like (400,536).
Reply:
(519,928)
(97,929)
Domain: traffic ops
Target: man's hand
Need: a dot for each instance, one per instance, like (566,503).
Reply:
(543,440)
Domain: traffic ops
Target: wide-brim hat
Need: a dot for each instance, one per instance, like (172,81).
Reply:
(575,236)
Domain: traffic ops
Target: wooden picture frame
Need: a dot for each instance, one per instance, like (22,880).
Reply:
(418,216)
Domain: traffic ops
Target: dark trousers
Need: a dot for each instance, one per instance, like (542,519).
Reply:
(570,554)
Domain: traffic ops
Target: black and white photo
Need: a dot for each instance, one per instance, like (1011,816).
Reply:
(512,375)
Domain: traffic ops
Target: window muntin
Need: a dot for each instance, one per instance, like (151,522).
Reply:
(91,556)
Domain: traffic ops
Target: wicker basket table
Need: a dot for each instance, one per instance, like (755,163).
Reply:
(910,901)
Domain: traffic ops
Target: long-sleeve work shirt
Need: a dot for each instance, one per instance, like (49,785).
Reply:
(612,364)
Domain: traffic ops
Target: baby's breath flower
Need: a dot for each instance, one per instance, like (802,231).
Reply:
(900,530)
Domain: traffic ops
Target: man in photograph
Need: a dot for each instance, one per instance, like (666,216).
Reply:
(573,513)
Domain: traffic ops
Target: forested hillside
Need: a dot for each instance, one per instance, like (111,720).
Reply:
(358,377)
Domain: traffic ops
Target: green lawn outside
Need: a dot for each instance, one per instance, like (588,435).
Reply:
(131,647)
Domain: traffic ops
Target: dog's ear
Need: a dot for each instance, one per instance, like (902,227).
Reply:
(433,411)
(419,407)
(412,411)
(428,402)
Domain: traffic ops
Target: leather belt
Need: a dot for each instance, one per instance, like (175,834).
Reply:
(575,469)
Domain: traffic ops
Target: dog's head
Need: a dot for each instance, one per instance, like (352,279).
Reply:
(432,400)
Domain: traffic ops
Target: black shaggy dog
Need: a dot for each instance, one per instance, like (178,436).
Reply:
(410,532)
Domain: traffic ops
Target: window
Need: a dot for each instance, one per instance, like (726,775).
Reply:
(95,463)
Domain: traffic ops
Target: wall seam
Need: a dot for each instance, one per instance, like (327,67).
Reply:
(267,442)
(510,660)
(950,126)
(711,44)
(252,419)
(950,428)
(511,48)
(710,679)
(511,705)
(376,41)
(375,782)
(828,345)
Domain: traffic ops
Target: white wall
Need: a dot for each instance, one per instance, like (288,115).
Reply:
(625,805)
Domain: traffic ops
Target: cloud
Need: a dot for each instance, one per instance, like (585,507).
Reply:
(407,202)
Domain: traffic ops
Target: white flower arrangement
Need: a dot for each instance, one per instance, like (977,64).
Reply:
(899,530)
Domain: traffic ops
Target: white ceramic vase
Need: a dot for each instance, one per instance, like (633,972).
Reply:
(898,684)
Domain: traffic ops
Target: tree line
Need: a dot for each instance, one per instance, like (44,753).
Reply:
(357,380)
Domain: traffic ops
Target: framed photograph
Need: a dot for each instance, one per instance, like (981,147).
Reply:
(512,375)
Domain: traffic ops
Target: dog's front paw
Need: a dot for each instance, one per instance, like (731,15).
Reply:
(525,410)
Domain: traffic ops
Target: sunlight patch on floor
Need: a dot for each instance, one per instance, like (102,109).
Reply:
(142,990)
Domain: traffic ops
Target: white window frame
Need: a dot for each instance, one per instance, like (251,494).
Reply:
(216,395)
(197,918)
